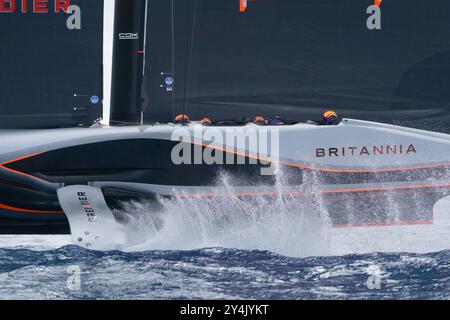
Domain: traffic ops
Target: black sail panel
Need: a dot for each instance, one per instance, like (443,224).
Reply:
(51,63)
(167,56)
(295,58)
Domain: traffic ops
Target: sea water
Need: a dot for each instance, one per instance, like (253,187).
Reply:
(226,248)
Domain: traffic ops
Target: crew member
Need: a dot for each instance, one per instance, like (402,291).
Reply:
(182,119)
(275,121)
(206,121)
(259,120)
(329,118)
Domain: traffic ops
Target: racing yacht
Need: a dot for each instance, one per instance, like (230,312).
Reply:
(60,168)
(355,164)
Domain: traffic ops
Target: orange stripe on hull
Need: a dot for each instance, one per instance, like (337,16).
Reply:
(21,158)
(301,166)
(384,224)
(15,209)
(20,173)
(3,166)
(297,193)
(214,195)
(387,188)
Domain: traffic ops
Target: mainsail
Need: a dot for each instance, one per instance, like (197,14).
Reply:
(388,61)
(51,63)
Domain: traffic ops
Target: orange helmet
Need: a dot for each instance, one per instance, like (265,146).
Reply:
(329,117)
(206,121)
(182,119)
(259,120)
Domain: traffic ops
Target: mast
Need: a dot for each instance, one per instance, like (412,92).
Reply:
(128,61)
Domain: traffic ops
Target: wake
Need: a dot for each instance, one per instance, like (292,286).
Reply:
(291,226)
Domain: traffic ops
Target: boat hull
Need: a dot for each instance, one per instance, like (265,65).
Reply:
(359,173)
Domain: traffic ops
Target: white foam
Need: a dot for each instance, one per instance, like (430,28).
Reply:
(34,242)
(285,227)
(415,239)
(277,225)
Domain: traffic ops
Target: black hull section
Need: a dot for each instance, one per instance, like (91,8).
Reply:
(34,226)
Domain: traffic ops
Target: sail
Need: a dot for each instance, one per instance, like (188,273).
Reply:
(51,63)
(384,61)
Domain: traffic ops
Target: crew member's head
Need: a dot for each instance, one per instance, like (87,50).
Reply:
(182,119)
(259,120)
(275,121)
(206,121)
(330,117)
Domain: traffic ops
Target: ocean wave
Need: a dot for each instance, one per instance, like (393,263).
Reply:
(217,273)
